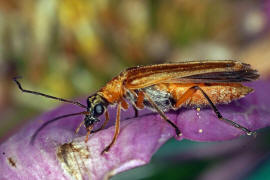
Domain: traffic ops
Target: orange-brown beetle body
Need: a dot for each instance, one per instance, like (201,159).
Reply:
(163,87)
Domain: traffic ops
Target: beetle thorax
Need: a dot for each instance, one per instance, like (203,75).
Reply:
(113,91)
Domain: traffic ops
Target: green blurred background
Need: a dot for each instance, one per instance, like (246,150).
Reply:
(71,48)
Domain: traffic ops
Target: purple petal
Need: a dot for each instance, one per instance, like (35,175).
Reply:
(60,154)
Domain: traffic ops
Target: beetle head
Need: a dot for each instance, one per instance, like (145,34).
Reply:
(96,106)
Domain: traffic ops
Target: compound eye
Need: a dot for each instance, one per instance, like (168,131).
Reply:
(99,109)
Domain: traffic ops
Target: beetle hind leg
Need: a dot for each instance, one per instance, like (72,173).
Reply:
(189,93)
(232,123)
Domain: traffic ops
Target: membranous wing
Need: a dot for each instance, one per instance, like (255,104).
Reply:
(190,72)
(162,99)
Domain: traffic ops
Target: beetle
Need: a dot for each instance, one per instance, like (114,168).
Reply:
(163,87)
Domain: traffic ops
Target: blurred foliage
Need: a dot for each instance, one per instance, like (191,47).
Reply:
(71,48)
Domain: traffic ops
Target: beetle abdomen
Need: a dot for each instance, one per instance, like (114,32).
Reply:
(218,93)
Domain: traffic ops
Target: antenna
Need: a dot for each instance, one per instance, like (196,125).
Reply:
(46,95)
(51,121)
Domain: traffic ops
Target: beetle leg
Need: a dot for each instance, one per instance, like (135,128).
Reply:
(105,122)
(124,104)
(117,129)
(234,124)
(188,94)
(140,99)
(161,113)
(89,130)
(79,127)
(136,112)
